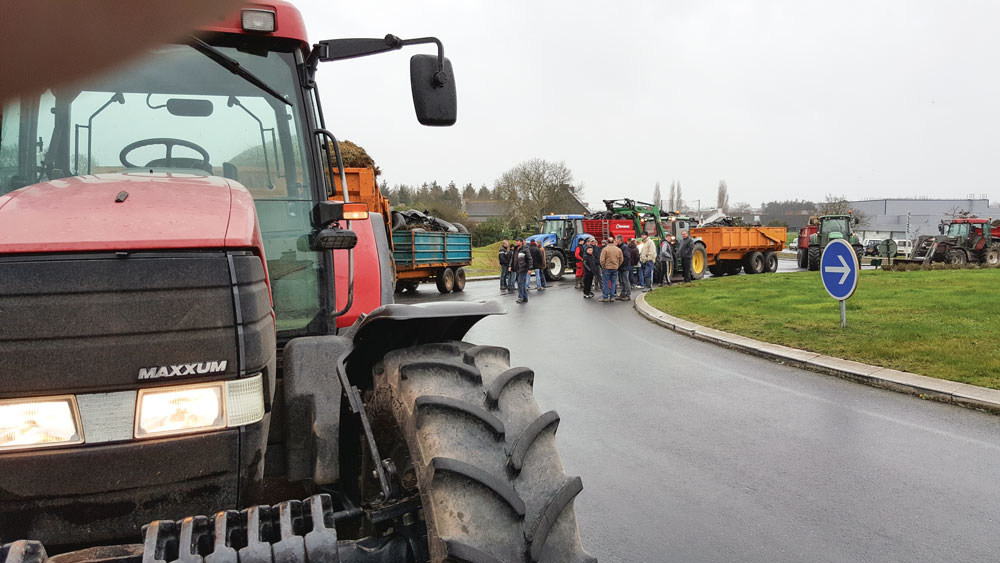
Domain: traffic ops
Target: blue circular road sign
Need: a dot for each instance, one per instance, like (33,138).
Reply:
(838,268)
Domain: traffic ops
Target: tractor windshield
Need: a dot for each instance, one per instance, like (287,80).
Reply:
(177,110)
(958,230)
(836,225)
(557,227)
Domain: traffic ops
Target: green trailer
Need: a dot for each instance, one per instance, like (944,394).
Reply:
(421,256)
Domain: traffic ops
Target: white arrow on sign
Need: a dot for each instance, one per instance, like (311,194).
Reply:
(842,269)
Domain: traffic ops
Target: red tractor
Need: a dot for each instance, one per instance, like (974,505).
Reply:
(966,240)
(193,333)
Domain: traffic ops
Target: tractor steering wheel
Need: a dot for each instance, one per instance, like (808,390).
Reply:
(168,162)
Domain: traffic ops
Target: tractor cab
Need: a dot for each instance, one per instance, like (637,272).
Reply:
(833,227)
(561,231)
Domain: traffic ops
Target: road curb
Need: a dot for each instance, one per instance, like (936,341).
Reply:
(922,386)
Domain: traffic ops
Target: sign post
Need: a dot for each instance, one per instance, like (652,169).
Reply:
(839,270)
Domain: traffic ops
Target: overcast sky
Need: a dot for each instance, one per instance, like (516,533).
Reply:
(782,99)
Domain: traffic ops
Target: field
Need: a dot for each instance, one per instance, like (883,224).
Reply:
(943,324)
(484,261)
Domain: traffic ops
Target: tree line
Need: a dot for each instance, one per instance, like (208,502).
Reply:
(523,193)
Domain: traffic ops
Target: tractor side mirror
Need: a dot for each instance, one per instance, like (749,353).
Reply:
(856,220)
(432,80)
(328,239)
(434,94)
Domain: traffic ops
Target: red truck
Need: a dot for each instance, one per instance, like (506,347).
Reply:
(200,359)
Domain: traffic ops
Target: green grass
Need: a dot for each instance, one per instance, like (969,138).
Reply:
(484,261)
(943,324)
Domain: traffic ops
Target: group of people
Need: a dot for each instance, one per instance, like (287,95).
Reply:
(615,264)
(517,261)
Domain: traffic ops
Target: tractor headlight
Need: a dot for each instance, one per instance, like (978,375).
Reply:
(166,411)
(178,410)
(37,423)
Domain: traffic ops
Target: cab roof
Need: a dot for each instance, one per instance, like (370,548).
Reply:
(288,22)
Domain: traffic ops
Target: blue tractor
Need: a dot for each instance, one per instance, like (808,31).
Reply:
(559,235)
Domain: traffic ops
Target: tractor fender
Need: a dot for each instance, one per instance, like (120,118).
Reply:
(396,326)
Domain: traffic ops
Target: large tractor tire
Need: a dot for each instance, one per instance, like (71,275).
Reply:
(753,263)
(859,251)
(815,253)
(802,258)
(770,262)
(991,257)
(699,261)
(482,454)
(956,257)
(555,265)
(446,280)
(662,271)
(733,267)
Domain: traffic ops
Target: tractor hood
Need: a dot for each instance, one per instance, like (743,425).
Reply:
(546,239)
(128,211)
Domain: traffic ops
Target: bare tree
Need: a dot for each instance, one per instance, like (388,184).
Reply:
(679,201)
(673,197)
(834,205)
(535,187)
(722,199)
(741,209)
(657,195)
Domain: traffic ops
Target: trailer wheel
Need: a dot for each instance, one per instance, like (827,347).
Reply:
(482,453)
(555,264)
(446,280)
(717,269)
(802,258)
(459,279)
(814,255)
(753,263)
(733,267)
(771,262)
(699,258)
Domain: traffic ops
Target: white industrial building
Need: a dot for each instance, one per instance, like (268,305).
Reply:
(909,218)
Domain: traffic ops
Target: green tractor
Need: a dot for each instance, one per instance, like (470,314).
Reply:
(832,227)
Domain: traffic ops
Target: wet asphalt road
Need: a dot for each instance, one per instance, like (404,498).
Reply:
(694,453)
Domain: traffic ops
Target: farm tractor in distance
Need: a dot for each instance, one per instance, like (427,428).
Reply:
(559,235)
(200,357)
(831,227)
(966,240)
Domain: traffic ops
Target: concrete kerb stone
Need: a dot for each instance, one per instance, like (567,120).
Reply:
(922,386)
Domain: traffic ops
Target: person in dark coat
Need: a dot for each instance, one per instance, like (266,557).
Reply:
(523,265)
(503,256)
(512,276)
(538,259)
(591,268)
(633,248)
(685,249)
